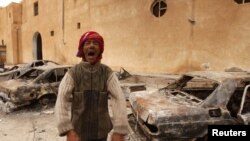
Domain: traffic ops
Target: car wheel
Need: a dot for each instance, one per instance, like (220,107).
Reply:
(44,101)
(47,100)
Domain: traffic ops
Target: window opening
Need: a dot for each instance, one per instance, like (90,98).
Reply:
(242,1)
(52,33)
(36,8)
(78,25)
(159,8)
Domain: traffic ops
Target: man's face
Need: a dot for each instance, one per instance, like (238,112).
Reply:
(91,51)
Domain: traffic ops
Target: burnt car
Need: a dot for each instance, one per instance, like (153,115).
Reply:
(36,84)
(35,63)
(11,74)
(38,63)
(17,70)
(184,109)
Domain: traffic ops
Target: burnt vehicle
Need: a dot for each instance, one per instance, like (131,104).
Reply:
(11,74)
(35,63)
(36,84)
(184,109)
(38,63)
(132,82)
(17,70)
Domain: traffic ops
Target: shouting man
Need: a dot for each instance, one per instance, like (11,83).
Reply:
(82,103)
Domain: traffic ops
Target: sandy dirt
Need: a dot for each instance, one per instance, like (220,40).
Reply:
(34,123)
(29,124)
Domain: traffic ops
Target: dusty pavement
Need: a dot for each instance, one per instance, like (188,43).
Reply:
(29,124)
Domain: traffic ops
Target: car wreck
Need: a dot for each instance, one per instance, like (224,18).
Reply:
(132,82)
(12,74)
(14,71)
(184,109)
(36,84)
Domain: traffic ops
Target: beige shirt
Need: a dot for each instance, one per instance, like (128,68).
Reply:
(64,99)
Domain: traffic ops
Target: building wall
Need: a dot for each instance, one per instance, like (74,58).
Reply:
(2,35)
(221,34)
(47,20)
(10,30)
(192,35)
(134,38)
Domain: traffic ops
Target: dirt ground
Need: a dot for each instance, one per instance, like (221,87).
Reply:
(29,124)
(34,123)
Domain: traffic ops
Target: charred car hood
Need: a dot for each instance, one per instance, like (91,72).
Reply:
(155,107)
(12,84)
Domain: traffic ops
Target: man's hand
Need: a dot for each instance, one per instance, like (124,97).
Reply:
(117,137)
(72,136)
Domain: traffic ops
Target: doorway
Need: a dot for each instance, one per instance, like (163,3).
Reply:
(37,46)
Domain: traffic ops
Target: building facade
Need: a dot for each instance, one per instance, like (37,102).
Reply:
(151,36)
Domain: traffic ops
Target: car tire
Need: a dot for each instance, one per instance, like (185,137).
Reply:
(47,100)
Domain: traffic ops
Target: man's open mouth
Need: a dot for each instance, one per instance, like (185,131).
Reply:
(91,53)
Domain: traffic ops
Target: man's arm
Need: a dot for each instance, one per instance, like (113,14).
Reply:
(63,105)
(118,102)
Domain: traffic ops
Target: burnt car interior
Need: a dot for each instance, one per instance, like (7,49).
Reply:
(31,74)
(15,75)
(187,86)
(42,62)
(192,88)
(56,75)
(13,68)
(235,100)
(123,74)
(36,64)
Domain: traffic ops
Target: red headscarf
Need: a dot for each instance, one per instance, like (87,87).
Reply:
(90,35)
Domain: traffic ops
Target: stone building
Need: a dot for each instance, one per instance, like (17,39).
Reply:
(153,36)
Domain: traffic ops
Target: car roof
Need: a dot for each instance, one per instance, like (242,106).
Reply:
(51,67)
(220,76)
